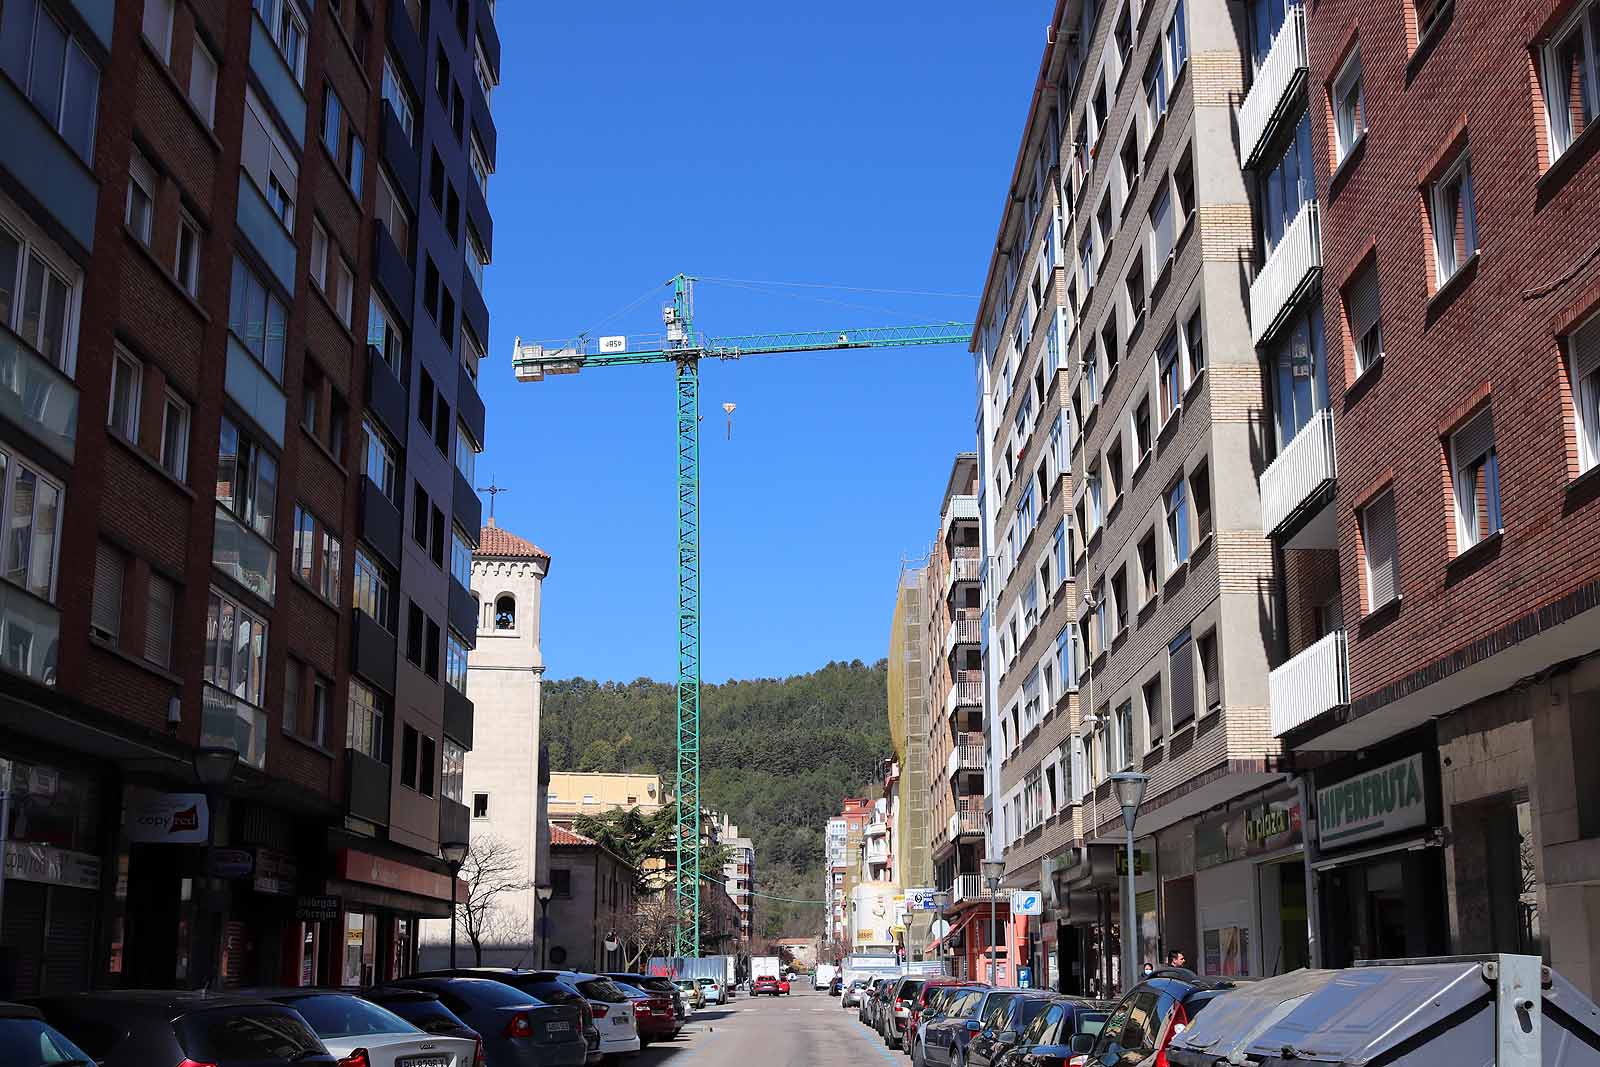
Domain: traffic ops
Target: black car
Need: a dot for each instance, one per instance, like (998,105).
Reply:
(146,1028)
(26,1040)
(1004,1025)
(945,1042)
(1067,1027)
(421,1009)
(517,1028)
(1147,1016)
(545,986)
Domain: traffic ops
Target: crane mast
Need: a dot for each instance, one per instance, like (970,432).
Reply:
(684,347)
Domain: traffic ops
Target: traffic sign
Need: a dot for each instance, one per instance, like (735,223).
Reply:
(1027,902)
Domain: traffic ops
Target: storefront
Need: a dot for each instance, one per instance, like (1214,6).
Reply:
(1380,863)
(1083,902)
(382,899)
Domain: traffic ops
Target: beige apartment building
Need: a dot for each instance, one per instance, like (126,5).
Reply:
(1128,581)
(574,793)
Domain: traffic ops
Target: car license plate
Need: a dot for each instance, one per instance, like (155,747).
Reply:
(423,1061)
(554,1027)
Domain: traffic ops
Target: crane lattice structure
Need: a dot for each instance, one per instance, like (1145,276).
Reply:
(684,347)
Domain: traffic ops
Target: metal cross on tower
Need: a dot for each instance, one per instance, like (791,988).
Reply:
(493,491)
(683,347)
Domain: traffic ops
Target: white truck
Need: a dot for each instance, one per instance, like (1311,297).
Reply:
(762,966)
(824,975)
(870,965)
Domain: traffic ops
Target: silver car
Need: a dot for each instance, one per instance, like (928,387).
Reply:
(346,1023)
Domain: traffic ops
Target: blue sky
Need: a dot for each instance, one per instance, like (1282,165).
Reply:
(863,144)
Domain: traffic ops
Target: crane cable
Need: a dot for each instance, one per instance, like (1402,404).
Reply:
(844,288)
(765,896)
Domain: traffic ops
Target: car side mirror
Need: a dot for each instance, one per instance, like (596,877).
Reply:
(1007,1037)
(1081,1044)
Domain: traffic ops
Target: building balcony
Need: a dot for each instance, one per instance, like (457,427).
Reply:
(1315,681)
(965,692)
(967,889)
(1292,481)
(40,160)
(966,565)
(406,44)
(962,509)
(470,405)
(281,86)
(372,651)
(381,525)
(966,756)
(386,397)
(228,722)
(366,783)
(877,852)
(455,821)
(37,397)
(30,634)
(1273,96)
(400,154)
(392,271)
(1288,273)
(242,555)
(458,716)
(465,506)
(462,607)
(876,828)
(965,629)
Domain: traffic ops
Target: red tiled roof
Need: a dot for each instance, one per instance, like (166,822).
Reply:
(560,835)
(495,541)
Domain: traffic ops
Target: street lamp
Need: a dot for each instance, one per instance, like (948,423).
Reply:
(611,943)
(544,891)
(454,853)
(1130,794)
(213,768)
(993,872)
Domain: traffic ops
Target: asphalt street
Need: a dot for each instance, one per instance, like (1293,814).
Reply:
(800,1030)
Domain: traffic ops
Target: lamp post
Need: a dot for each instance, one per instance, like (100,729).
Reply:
(611,944)
(213,768)
(1130,794)
(993,872)
(544,891)
(453,853)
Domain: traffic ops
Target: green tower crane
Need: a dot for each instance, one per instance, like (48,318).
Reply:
(684,347)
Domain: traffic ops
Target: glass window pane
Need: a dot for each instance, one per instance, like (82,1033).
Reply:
(49,61)
(265,495)
(16,38)
(79,102)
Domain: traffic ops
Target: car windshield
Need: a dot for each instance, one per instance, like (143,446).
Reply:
(1092,1022)
(911,988)
(995,1007)
(340,1015)
(31,1043)
(1027,1010)
(255,1033)
(603,990)
(1035,1030)
(483,994)
(426,1013)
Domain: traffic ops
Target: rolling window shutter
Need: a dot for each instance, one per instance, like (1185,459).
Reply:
(1213,680)
(1181,654)
(159,614)
(1361,302)
(1474,440)
(107,611)
(1584,347)
(1383,576)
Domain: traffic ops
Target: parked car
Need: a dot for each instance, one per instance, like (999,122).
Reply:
(835,986)
(892,1022)
(934,1006)
(850,997)
(653,1013)
(694,998)
(141,1028)
(351,1026)
(518,1029)
(713,989)
(1002,1027)
(605,1037)
(880,996)
(1149,1014)
(654,984)
(1068,1026)
(945,1042)
(921,1005)
(764,986)
(26,1040)
(421,1009)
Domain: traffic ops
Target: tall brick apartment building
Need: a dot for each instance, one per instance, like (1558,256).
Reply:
(1459,590)
(241,316)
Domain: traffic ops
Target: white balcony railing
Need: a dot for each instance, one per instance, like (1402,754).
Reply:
(965,692)
(1275,85)
(228,722)
(962,508)
(1291,267)
(1315,681)
(1304,466)
(966,755)
(964,630)
(876,828)
(967,887)
(963,568)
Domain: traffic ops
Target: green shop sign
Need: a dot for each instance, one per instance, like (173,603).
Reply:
(1379,802)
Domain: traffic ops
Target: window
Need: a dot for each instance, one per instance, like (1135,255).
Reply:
(455,671)
(186,258)
(1176,505)
(365,724)
(408,756)
(1211,681)
(379,461)
(127,376)
(1583,355)
(1162,235)
(436,535)
(247,479)
(160,620)
(1149,583)
(479,161)
(1097,116)
(175,436)
(426,761)
(414,633)
(1299,372)
(1155,94)
(1475,474)
(37,300)
(328,566)
(472,251)
(1287,185)
(419,514)
(1129,160)
(1096,512)
(460,557)
(559,879)
(318,262)
(1266,19)
(1194,346)
(1114,482)
(1183,189)
(1122,34)
(342,140)
(383,330)
(441,423)
(452,773)
(505,612)
(1134,288)
(395,216)
(1349,106)
(1176,41)
(269,160)
(258,319)
(1139,426)
(105,616)
(203,82)
(1154,726)
(141,206)
(305,540)
(430,665)
(54,70)
(1180,665)
(236,649)
(288,29)
(1170,377)
(1119,598)
(1455,220)
(158,27)
(399,98)
(374,590)
(1200,494)
(1378,545)
(1569,72)
(1361,311)
(331,273)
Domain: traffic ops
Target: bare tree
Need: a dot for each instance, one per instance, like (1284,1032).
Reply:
(492,869)
(649,930)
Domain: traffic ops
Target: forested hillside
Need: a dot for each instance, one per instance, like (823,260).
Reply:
(777,755)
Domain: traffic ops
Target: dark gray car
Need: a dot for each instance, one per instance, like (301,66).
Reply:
(144,1028)
(517,1029)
